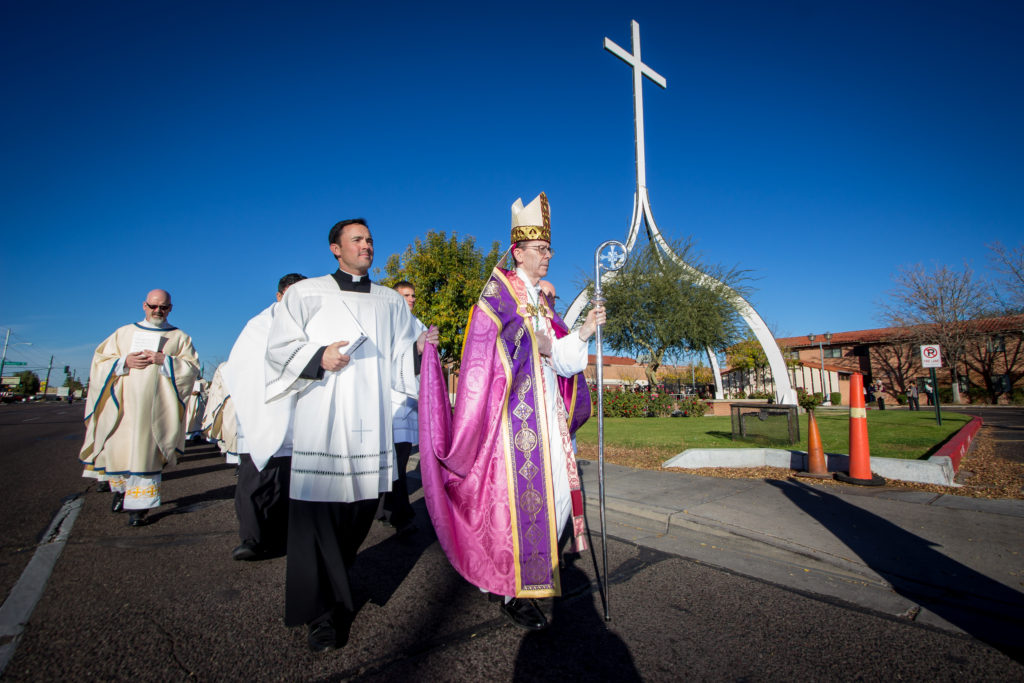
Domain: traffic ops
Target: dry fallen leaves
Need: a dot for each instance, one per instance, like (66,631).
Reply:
(990,469)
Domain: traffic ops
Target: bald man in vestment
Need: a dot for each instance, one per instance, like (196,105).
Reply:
(139,386)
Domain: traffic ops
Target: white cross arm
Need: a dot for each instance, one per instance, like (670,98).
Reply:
(628,58)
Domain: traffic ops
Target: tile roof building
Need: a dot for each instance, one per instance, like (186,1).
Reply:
(990,367)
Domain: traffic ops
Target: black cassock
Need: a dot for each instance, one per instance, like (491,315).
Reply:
(261,503)
(323,539)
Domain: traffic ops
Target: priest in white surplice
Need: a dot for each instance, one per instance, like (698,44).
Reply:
(194,411)
(139,383)
(264,439)
(341,344)
(219,424)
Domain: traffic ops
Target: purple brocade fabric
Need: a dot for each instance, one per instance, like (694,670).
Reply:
(484,472)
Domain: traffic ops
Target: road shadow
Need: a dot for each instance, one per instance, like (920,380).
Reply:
(917,570)
(180,472)
(195,455)
(578,644)
(193,503)
(381,568)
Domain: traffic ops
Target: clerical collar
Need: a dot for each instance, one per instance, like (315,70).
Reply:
(533,289)
(351,283)
(146,325)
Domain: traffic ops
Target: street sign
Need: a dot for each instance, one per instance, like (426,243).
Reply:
(931,357)
(15,362)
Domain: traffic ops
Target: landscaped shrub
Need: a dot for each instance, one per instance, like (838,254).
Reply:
(634,404)
(662,404)
(978,395)
(945,395)
(1017,397)
(761,395)
(808,401)
(901,399)
(693,406)
(836,398)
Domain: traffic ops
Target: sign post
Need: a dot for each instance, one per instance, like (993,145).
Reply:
(931,358)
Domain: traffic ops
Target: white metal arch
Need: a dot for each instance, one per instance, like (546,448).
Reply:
(642,214)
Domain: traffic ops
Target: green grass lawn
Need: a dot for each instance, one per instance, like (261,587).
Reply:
(891,433)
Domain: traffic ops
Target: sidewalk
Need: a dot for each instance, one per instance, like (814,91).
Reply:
(952,562)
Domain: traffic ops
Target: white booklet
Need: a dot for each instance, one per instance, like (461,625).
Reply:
(348,328)
(144,340)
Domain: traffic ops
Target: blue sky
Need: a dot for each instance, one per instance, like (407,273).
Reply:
(207,147)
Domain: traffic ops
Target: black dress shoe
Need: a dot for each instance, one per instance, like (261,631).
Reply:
(245,551)
(323,637)
(103,487)
(525,614)
(138,518)
(117,504)
(406,530)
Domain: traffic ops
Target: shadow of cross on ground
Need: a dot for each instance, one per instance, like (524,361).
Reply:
(980,606)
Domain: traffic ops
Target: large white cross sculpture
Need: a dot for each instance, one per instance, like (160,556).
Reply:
(642,213)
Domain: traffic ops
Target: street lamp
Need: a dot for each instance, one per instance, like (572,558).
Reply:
(821,350)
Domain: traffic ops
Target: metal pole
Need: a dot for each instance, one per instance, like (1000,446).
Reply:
(935,397)
(824,396)
(614,264)
(47,389)
(3,361)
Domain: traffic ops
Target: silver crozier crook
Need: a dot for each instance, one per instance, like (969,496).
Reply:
(613,253)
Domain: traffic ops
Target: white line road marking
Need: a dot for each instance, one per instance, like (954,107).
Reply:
(18,607)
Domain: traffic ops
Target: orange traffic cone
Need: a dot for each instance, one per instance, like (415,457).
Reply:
(816,466)
(860,452)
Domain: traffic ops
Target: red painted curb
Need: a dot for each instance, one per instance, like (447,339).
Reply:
(958,444)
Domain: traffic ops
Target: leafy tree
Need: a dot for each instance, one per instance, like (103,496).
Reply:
(73,384)
(748,356)
(448,274)
(29,382)
(938,305)
(659,308)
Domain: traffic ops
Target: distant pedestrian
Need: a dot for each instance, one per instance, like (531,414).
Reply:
(928,392)
(879,390)
(912,397)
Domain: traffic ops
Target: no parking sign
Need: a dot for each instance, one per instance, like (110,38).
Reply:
(931,357)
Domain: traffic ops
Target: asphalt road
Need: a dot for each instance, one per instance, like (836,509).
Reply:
(165,602)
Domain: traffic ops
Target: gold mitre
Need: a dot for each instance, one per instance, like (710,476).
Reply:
(532,222)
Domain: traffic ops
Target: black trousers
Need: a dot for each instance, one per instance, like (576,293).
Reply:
(395,506)
(323,539)
(261,503)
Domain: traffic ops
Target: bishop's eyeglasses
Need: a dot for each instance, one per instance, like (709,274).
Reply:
(543,251)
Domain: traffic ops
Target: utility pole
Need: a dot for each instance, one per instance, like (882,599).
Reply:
(47,385)
(3,361)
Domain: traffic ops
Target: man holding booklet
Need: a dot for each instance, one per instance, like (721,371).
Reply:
(340,344)
(139,385)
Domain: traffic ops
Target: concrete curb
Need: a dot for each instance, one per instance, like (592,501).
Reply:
(938,469)
(958,445)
